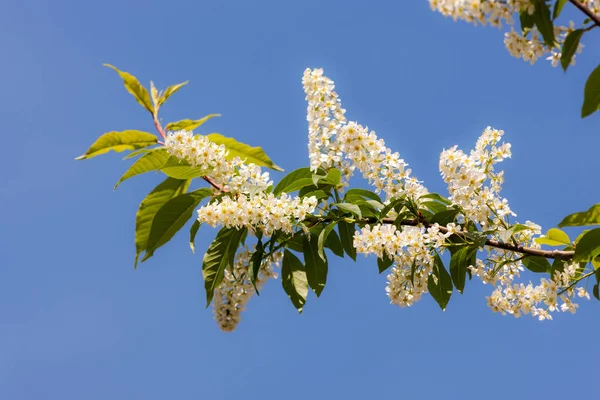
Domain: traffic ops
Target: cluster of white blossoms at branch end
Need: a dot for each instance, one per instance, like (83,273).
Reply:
(333,142)
(528,46)
(236,289)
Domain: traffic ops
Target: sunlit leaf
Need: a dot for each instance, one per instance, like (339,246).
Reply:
(134,87)
(584,218)
(293,279)
(189,124)
(247,153)
(119,141)
(151,161)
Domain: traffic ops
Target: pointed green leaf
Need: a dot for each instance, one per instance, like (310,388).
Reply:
(183,171)
(442,289)
(151,161)
(391,205)
(588,246)
(347,237)
(591,93)
(134,87)
(362,193)
(444,217)
(150,206)
(322,238)
(384,263)
(119,141)
(169,91)
(558,6)
(171,217)
(297,184)
(293,279)
(334,244)
(596,291)
(290,178)
(584,218)
(247,153)
(256,260)
(537,264)
(459,263)
(220,255)
(542,20)
(351,208)
(554,237)
(569,47)
(316,268)
(138,152)
(193,232)
(436,197)
(188,124)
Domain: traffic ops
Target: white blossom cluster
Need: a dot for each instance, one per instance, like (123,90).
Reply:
(410,249)
(262,211)
(333,142)
(236,289)
(529,46)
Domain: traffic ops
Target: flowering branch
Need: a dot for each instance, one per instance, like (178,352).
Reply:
(586,11)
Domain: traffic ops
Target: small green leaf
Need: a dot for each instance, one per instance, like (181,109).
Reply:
(361,193)
(437,197)
(537,264)
(584,218)
(171,217)
(189,124)
(334,244)
(588,246)
(558,6)
(290,178)
(150,161)
(316,268)
(119,141)
(459,263)
(384,263)
(554,237)
(294,280)
(444,217)
(542,20)
(442,289)
(247,153)
(569,47)
(322,239)
(193,232)
(150,206)
(298,184)
(256,261)
(591,94)
(169,91)
(351,208)
(527,21)
(347,230)
(220,255)
(391,205)
(596,291)
(134,87)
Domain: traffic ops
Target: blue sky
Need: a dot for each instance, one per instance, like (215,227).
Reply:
(77,322)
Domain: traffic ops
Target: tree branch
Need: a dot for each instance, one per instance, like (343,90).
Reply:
(586,11)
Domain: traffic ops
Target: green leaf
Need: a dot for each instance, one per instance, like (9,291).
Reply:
(346,230)
(391,205)
(437,197)
(247,153)
(542,20)
(220,255)
(290,178)
(537,264)
(319,194)
(442,289)
(584,218)
(298,184)
(150,206)
(334,244)
(384,263)
(351,208)
(119,141)
(183,171)
(169,91)
(527,21)
(558,6)
(322,238)
(554,237)
(171,217)
(596,291)
(294,280)
(588,247)
(444,217)
(151,161)
(361,193)
(256,260)
(193,232)
(434,206)
(459,263)
(569,47)
(189,124)
(591,93)
(134,87)
(138,152)
(316,268)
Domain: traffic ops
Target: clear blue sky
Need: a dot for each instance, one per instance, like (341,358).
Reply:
(77,322)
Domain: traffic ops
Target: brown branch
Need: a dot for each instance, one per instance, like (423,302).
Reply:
(586,11)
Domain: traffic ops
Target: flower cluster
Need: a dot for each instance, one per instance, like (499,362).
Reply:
(264,212)
(333,142)
(528,45)
(236,289)
(410,249)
